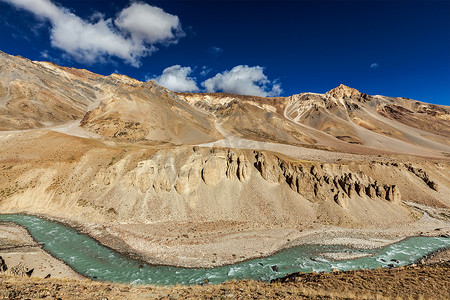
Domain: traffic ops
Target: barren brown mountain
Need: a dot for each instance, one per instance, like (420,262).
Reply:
(190,179)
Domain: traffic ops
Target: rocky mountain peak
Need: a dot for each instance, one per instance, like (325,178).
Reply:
(125,79)
(343,91)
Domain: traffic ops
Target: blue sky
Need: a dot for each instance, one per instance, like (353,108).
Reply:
(268,48)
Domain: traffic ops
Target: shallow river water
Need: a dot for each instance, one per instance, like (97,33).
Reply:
(91,259)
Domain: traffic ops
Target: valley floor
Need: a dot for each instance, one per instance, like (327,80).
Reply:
(211,244)
(197,245)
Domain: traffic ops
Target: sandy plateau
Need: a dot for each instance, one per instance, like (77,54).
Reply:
(202,180)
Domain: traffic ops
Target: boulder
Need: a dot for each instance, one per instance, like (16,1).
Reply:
(29,272)
(3,267)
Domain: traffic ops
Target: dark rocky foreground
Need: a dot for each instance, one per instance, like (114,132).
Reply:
(415,281)
(429,279)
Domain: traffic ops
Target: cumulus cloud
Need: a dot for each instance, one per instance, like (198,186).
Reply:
(374,65)
(176,78)
(243,80)
(149,23)
(132,35)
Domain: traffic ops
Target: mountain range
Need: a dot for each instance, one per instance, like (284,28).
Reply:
(140,167)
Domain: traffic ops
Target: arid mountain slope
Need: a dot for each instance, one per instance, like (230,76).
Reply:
(42,94)
(343,119)
(146,111)
(373,121)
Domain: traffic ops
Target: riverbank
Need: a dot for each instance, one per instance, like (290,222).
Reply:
(88,258)
(21,252)
(213,244)
(416,282)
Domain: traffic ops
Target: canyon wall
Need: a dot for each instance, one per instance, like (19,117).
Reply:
(108,184)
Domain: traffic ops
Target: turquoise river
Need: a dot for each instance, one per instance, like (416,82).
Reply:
(91,259)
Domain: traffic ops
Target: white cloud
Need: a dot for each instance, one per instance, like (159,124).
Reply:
(149,23)
(44,54)
(243,80)
(176,78)
(215,51)
(374,65)
(131,36)
(205,71)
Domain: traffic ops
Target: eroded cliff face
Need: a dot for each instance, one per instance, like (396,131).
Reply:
(320,182)
(93,182)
